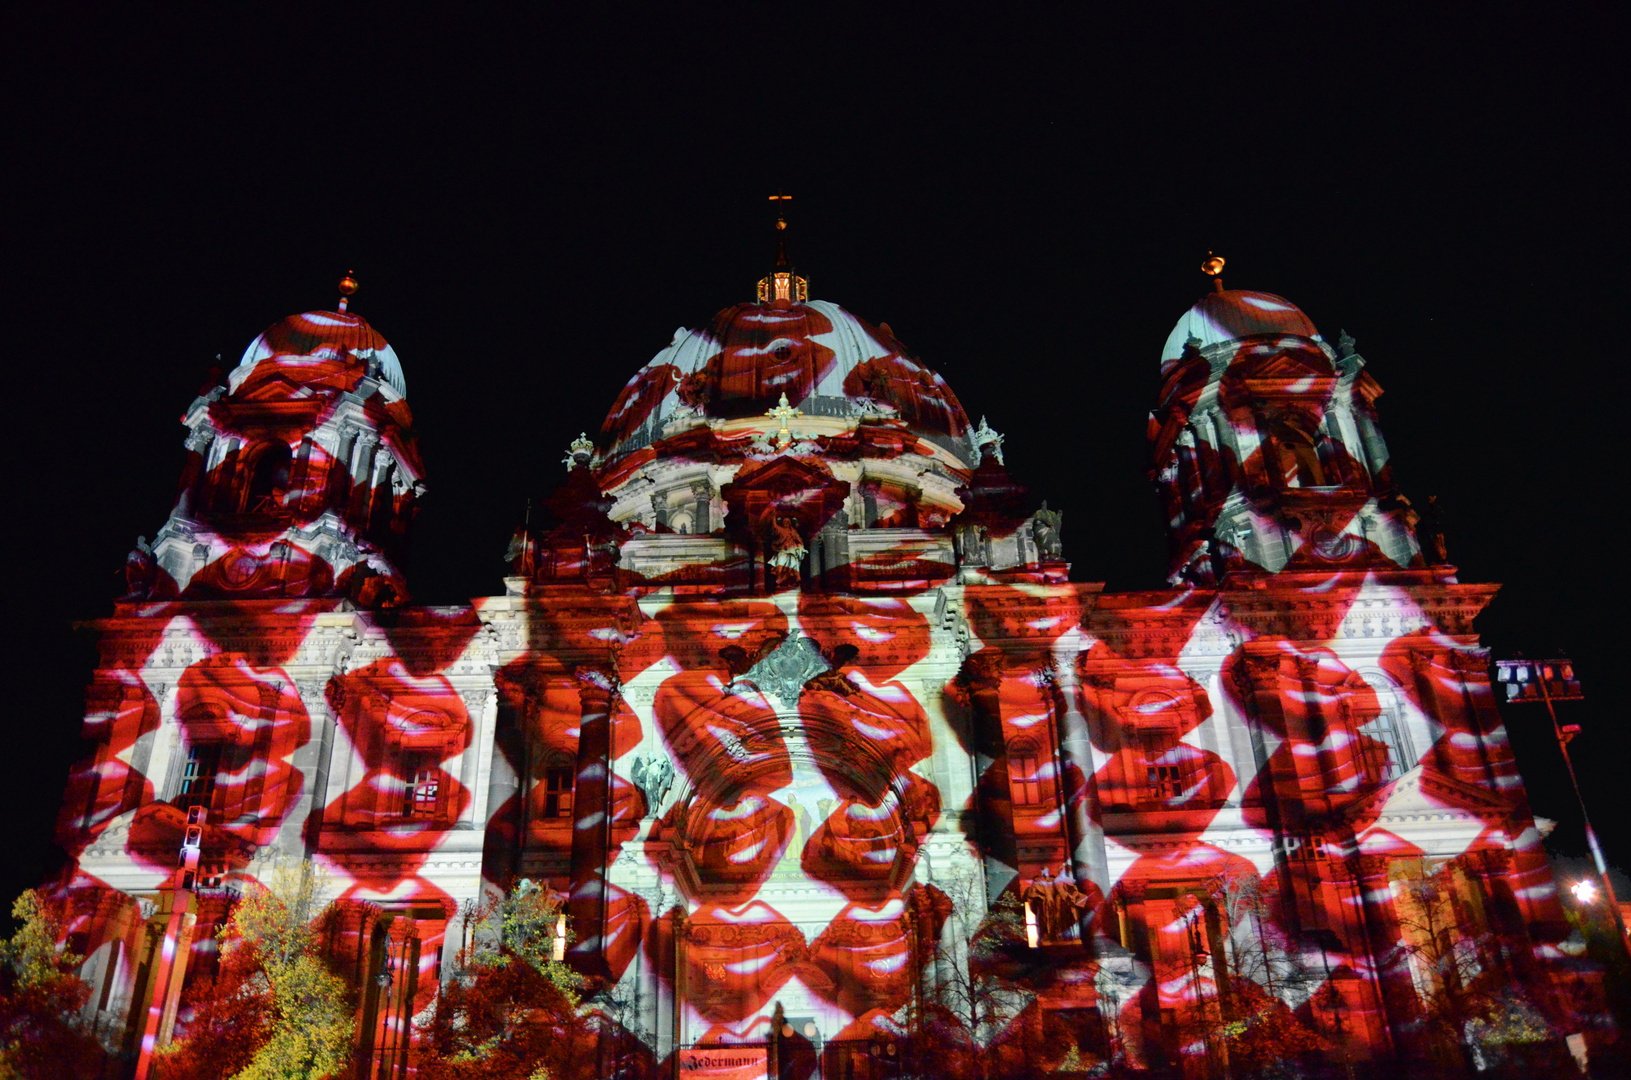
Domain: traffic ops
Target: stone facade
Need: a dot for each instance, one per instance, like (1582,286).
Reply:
(788,688)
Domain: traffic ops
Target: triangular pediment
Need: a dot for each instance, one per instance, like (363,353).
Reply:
(784,485)
(782,475)
(1293,364)
(1422,793)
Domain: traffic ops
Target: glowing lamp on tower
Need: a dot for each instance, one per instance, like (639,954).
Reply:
(1585,891)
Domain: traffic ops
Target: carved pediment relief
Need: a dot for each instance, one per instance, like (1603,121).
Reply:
(1423,794)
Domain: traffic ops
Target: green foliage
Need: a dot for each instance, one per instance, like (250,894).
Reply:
(522,926)
(311,1025)
(277,1012)
(35,952)
(511,1012)
(41,995)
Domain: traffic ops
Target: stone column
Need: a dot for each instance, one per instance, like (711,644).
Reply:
(339,483)
(682,992)
(1257,683)
(312,759)
(1487,870)
(1389,964)
(475,764)
(1309,771)
(362,474)
(1143,1040)
(591,810)
(169,944)
(192,476)
(378,477)
(1084,820)
(299,473)
(702,516)
(982,676)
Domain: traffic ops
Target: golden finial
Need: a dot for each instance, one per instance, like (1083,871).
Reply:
(1213,268)
(348,286)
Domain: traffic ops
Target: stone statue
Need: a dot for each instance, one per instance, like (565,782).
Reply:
(653,776)
(789,550)
(987,443)
(1430,533)
(1056,902)
(1045,526)
(139,570)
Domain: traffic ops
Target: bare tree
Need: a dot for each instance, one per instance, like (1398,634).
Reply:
(1261,978)
(1471,1012)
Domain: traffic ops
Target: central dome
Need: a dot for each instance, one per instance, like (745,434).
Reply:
(827,362)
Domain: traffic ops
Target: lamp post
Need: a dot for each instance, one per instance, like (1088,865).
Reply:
(1548,681)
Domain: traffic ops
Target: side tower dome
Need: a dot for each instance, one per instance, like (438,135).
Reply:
(1266,450)
(302,474)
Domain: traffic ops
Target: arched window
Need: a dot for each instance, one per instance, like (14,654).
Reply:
(268,478)
(1389,749)
(1298,460)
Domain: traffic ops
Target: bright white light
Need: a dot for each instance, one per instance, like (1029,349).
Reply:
(1584,891)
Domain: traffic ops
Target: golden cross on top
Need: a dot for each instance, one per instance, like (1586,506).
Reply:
(779,197)
(783,412)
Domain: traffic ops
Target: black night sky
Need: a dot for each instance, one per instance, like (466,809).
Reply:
(534,202)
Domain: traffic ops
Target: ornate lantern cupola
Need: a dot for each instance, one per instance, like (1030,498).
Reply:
(782,285)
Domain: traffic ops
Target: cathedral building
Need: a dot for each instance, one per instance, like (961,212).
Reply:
(790,694)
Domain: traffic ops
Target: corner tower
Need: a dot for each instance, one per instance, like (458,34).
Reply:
(1266,449)
(302,474)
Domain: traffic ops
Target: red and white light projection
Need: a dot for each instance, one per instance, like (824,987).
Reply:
(792,699)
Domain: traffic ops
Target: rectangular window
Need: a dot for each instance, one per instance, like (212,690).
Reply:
(421,799)
(1163,767)
(1165,781)
(558,792)
(1022,780)
(198,777)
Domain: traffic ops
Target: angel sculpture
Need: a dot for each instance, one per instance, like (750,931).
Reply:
(653,776)
(738,661)
(832,680)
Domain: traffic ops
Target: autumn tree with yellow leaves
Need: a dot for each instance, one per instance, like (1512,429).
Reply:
(276,1012)
(41,995)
